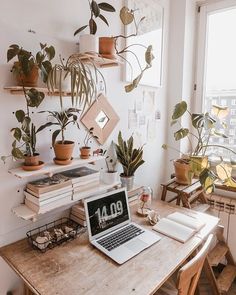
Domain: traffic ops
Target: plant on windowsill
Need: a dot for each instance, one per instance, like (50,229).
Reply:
(130,158)
(89,42)
(27,67)
(77,78)
(63,148)
(196,161)
(85,150)
(24,144)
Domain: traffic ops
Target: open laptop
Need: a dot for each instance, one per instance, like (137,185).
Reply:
(110,228)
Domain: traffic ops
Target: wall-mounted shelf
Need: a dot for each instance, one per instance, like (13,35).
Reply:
(26,213)
(19,90)
(51,168)
(99,61)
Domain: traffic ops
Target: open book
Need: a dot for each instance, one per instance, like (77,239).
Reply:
(179,226)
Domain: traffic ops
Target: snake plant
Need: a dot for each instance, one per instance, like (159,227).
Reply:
(129,157)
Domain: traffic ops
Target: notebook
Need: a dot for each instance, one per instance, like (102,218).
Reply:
(179,226)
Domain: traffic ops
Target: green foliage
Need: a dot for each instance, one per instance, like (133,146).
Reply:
(84,79)
(179,110)
(96,12)
(129,157)
(88,136)
(26,60)
(62,120)
(25,135)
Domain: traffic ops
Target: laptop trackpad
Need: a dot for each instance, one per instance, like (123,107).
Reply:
(136,245)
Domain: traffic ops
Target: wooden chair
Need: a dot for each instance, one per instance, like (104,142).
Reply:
(188,275)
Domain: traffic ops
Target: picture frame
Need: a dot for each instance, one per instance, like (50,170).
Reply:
(150,33)
(102,117)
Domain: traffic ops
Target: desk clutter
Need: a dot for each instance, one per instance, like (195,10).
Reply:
(52,234)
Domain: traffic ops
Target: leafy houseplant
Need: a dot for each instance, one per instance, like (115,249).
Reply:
(26,68)
(196,163)
(24,144)
(77,78)
(130,158)
(89,42)
(86,149)
(63,148)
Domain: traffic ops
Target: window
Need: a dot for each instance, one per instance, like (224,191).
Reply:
(216,67)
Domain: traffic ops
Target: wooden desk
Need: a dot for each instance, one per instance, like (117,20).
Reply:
(77,268)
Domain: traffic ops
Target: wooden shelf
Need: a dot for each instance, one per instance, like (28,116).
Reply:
(50,168)
(99,61)
(26,213)
(19,90)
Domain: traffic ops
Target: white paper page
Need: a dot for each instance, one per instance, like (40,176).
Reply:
(174,230)
(186,220)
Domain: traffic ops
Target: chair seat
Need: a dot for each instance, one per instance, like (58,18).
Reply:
(168,288)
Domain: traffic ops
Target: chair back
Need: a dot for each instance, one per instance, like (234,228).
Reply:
(189,274)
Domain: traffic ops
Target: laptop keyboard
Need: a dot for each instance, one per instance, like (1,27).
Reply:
(120,237)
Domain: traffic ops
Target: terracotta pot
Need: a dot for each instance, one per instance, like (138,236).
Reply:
(182,172)
(32,160)
(198,164)
(107,47)
(127,181)
(63,151)
(29,80)
(85,152)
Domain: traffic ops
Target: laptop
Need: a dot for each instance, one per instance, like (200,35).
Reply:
(110,228)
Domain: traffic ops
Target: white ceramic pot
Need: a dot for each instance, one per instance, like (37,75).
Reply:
(65,81)
(88,43)
(109,177)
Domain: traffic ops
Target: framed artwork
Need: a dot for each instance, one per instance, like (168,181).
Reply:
(150,33)
(102,117)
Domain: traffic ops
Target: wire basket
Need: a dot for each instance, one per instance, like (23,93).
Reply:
(53,234)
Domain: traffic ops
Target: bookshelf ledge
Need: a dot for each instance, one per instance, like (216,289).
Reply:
(50,168)
(24,212)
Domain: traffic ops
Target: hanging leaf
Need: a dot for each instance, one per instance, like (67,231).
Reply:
(149,55)
(104,19)
(80,30)
(181,133)
(20,115)
(17,153)
(107,7)
(95,9)
(92,26)
(179,110)
(126,16)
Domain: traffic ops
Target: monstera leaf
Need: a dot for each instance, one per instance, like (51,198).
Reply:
(179,110)
(181,133)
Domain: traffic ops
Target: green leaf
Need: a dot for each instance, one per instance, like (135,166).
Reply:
(129,87)
(46,68)
(48,124)
(179,110)
(173,122)
(181,133)
(35,97)
(207,179)
(11,53)
(220,134)
(26,138)
(92,26)
(16,132)
(107,7)
(104,19)
(95,9)
(209,121)
(54,136)
(197,120)
(20,115)
(80,30)
(26,124)
(17,153)
(3,158)
(126,16)
(164,146)
(39,58)
(50,51)
(42,46)
(149,55)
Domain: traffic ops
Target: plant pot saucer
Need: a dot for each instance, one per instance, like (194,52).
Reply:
(33,168)
(62,162)
(143,212)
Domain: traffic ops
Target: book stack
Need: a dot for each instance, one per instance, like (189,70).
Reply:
(133,195)
(49,193)
(83,180)
(78,214)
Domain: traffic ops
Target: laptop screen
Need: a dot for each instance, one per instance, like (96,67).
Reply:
(107,212)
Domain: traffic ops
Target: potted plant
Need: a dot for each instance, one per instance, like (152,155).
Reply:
(24,144)
(27,66)
(110,176)
(204,126)
(130,158)
(63,148)
(85,150)
(89,42)
(77,78)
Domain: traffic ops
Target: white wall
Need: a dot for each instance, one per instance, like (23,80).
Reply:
(54,22)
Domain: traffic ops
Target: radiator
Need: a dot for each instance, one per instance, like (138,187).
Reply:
(225,208)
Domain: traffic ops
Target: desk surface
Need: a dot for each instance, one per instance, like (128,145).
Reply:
(77,268)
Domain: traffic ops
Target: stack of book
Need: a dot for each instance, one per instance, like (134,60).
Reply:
(78,214)
(49,193)
(134,194)
(83,180)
